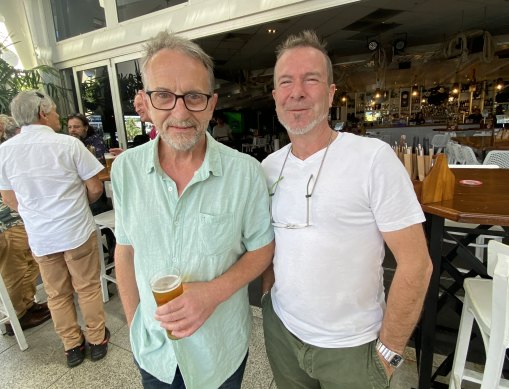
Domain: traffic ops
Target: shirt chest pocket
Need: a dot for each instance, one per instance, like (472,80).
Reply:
(216,233)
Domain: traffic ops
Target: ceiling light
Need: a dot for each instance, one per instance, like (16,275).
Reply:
(415,90)
(500,84)
(455,88)
(378,93)
(373,45)
(271,30)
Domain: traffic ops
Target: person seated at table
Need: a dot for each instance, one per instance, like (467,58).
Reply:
(475,116)
(79,127)
(221,131)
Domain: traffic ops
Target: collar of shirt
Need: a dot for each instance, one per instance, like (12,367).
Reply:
(211,164)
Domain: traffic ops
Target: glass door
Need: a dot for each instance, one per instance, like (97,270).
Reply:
(95,100)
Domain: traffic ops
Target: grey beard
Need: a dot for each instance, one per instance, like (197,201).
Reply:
(303,130)
(181,142)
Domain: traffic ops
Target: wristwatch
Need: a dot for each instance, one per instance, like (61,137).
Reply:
(394,359)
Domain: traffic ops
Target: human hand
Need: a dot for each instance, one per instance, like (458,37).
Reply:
(116,151)
(389,370)
(184,315)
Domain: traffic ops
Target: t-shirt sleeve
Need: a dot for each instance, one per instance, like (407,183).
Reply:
(116,183)
(392,196)
(86,163)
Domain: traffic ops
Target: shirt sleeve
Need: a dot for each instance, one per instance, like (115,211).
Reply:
(87,164)
(392,196)
(116,183)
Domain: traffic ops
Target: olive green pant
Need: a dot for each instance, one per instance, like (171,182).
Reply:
(298,365)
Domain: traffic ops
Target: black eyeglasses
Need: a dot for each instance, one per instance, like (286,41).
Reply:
(166,101)
(41,96)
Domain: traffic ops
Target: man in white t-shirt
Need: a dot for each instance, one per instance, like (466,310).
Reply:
(336,198)
(50,179)
(222,131)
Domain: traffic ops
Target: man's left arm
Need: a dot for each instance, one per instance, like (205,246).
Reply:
(9,198)
(408,288)
(187,313)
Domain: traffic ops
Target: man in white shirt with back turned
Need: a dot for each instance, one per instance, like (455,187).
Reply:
(50,179)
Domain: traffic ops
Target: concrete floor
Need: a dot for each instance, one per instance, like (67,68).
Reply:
(43,365)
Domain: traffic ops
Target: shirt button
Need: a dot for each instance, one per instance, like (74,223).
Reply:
(170,189)
(176,222)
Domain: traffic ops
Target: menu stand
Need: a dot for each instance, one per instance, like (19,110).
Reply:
(438,184)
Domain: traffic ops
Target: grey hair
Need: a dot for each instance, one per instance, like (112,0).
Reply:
(9,126)
(25,107)
(306,38)
(171,41)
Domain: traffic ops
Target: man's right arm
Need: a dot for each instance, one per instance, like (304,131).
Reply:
(126,280)
(94,189)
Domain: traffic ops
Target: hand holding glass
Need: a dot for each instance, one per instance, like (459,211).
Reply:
(167,285)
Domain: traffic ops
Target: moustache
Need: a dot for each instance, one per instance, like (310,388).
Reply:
(180,123)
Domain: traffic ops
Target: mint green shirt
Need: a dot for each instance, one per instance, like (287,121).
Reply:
(222,213)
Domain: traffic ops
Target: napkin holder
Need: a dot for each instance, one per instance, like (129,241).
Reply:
(438,184)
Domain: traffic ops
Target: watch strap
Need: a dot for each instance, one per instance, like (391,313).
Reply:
(393,358)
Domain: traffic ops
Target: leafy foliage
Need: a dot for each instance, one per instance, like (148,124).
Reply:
(13,80)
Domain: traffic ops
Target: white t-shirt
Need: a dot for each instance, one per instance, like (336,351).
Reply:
(47,171)
(220,132)
(329,288)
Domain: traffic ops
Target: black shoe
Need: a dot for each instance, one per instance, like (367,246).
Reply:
(29,320)
(76,355)
(99,351)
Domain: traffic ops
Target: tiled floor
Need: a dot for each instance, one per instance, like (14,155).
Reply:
(42,365)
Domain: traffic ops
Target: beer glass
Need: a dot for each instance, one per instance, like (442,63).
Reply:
(166,285)
(108,157)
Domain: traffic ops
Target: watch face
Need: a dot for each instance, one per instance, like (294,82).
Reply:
(396,361)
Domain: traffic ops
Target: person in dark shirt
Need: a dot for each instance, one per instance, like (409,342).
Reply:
(79,127)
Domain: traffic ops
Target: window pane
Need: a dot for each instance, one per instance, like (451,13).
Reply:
(71,104)
(72,18)
(97,103)
(129,83)
(129,9)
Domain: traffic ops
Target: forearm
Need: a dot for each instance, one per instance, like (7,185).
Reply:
(404,304)
(126,280)
(9,198)
(246,269)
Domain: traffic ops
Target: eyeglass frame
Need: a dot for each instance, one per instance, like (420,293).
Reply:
(149,93)
(292,226)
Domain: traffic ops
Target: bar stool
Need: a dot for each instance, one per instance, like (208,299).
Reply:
(486,301)
(10,316)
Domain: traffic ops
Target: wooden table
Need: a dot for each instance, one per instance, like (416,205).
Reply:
(486,204)
(104,175)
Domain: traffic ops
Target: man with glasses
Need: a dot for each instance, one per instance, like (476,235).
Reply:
(50,179)
(335,199)
(208,215)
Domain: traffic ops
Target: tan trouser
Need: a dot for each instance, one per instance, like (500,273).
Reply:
(64,273)
(18,268)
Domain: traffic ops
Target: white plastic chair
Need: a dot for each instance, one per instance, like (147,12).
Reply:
(486,301)
(459,156)
(439,142)
(497,157)
(449,151)
(105,220)
(469,155)
(10,316)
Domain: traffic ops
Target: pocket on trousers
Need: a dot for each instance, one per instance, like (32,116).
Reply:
(216,233)
(378,374)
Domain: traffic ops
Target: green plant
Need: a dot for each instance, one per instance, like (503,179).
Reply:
(131,129)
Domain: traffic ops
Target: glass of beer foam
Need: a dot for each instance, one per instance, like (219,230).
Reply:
(166,285)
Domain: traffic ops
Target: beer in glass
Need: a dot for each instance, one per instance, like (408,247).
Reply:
(166,285)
